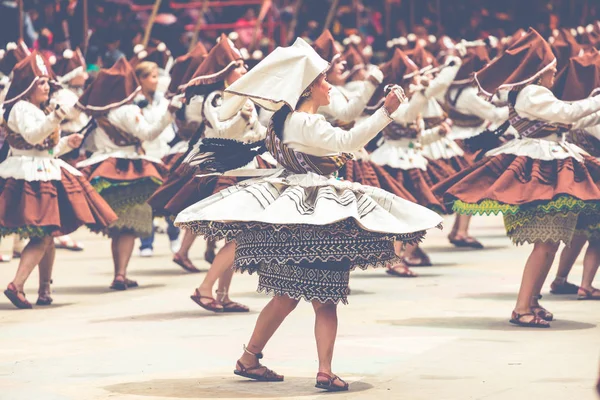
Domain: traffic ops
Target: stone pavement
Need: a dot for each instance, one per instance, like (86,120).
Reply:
(444,335)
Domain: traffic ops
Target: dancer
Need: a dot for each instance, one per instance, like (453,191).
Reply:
(293,227)
(151,102)
(579,80)
(400,151)
(71,73)
(41,196)
(544,186)
(118,169)
(221,68)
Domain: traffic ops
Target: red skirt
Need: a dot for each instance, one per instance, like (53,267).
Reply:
(184,188)
(124,170)
(442,169)
(171,159)
(51,208)
(519,180)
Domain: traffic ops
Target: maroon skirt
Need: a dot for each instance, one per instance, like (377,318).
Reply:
(519,180)
(51,208)
(184,187)
(442,169)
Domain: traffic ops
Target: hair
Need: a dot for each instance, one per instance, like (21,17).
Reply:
(145,68)
(279,117)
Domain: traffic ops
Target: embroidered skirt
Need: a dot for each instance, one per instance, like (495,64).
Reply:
(303,233)
(50,207)
(126,185)
(542,200)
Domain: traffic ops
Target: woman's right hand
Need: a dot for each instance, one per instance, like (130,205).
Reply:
(393,100)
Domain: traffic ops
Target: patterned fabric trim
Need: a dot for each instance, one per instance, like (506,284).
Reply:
(558,205)
(534,227)
(29,231)
(302,282)
(17,141)
(396,131)
(100,184)
(534,129)
(302,163)
(120,197)
(135,219)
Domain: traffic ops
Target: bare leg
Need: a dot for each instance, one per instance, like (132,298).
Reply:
(454,227)
(186,244)
(536,269)
(463,222)
(400,269)
(568,257)
(223,261)
(31,256)
(326,324)
(268,322)
(122,246)
(591,262)
(45,270)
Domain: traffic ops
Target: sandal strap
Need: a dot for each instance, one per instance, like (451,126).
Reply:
(536,320)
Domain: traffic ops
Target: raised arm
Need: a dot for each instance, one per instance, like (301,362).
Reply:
(408,112)
(130,119)
(345,109)
(438,87)
(470,102)
(317,132)
(537,102)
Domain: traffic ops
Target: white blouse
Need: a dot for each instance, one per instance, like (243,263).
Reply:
(347,107)
(312,134)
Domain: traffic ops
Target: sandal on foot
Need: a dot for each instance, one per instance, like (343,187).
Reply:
(13,295)
(416,262)
(401,271)
(588,294)
(536,322)
(65,242)
(185,263)
(44,298)
(230,306)
(329,385)
(425,260)
(265,374)
(563,288)
(212,306)
(541,312)
(466,242)
(131,284)
(118,284)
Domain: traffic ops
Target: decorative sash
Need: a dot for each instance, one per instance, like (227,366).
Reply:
(302,163)
(533,129)
(432,122)
(17,141)
(458,118)
(396,131)
(118,136)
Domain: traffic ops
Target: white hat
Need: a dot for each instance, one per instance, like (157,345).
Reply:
(282,77)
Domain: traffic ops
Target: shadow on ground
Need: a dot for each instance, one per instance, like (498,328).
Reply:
(512,296)
(170,316)
(94,290)
(484,323)
(219,388)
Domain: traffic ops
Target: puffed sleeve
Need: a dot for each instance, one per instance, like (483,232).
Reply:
(130,119)
(319,133)
(408,112)
(349,109)
(588,122)
(31,122)
(470,102)
(438,87)
(222,128)
(539,103)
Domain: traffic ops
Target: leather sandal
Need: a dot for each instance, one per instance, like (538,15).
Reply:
(541,312)
(401,271)
(329,385)
(465,242)
(119,284)
(563,288)
(185,263)
(257,372)
(44,292)
(212,306)
(131,284)
(13,295)
(536,322)
(588,294)
(231,306)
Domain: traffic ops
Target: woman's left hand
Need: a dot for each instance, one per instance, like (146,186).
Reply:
(74,141)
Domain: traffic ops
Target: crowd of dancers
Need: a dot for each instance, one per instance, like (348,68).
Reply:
(307,163)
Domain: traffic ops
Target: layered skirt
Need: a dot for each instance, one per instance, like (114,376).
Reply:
(304,233)
(404,162)
(444,159)
(43,196)
(126,184)
(185,187)
(547,190)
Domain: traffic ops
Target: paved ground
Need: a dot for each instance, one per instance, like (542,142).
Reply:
(444,335)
